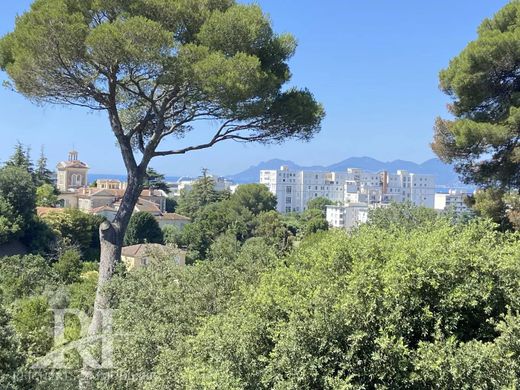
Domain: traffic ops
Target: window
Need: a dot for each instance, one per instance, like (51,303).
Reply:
(288,209)
(75,180)
(288,189)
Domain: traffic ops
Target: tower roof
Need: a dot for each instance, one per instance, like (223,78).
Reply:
(72,162)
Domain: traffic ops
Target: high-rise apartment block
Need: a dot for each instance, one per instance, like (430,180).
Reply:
(294,189)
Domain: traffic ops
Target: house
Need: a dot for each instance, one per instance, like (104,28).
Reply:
(108,212)
(96,200)
(172,219)
(142,255)
(110,184)
(105,198)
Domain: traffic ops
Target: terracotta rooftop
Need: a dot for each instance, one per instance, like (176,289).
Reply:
(173,217)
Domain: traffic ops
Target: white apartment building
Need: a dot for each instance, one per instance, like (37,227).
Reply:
(453,200)
(418,189)
(294,189)
(221,184)
(347,216)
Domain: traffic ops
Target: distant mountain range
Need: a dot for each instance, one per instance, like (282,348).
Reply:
(445,175)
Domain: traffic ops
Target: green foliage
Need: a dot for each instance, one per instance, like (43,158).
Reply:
(155,181)
(308,222)
(319,203)
(39,237)
(212,59)
(212,221)
(171,205)
(500,206)
(75,228)
(404,216)
(69,266)
(512,201)
(482,80)
(158,309)
(313,221)
(489,203)
(271,227)
(83,292)
(200,195)
(376,309)
(254,197)
(17,188)
(42,174)
(22,276)
(10,222)
(173,235)
(21,158)
(46,196)
(32,320)
(143,228)
(434,305)
(226,247)
(11,359)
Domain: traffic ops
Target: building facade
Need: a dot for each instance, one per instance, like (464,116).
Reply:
(143,255)
(347,216)
(454,200)
(71,174)
(294,189)
(186,184)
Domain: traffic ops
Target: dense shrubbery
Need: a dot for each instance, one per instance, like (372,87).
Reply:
(435,305)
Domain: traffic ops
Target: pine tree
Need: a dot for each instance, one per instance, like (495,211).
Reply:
(204,189)
(42,175)
(201,194)
(155,181)
(21,158)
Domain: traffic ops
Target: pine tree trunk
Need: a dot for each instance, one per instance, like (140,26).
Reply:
(111,235)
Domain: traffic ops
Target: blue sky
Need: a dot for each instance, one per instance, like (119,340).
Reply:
(373,64)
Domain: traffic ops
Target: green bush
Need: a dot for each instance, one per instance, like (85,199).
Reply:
(431,306)
(143,228)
